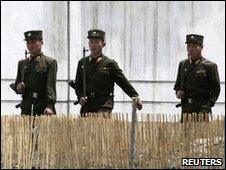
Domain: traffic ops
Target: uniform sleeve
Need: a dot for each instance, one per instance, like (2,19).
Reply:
(178,80)
(78,81)
(122,81)
(18,77)
(214,84)
(51,85)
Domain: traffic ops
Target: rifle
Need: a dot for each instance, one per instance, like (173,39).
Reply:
(84,108)
(178,105)
(71,83)
(84,72)
(13,86)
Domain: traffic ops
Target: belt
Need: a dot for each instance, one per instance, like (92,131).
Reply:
(94,94)
(194,103)
(190,101)
(33,95)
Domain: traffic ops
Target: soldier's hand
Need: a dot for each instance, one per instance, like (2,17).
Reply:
(180,94)
(20,87)
(82,101)
(139,105)
(48,111)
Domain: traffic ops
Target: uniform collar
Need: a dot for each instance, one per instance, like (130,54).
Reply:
(196,62)
(34,56)
(97,59)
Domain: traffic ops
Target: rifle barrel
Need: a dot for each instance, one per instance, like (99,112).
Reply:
(84,72)
(18,105)
(12,86)
(76,102)
(71,84)
(178,105)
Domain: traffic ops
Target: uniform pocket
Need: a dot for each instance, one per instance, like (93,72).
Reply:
(104,71)
(200,73)
(41,70)
(41,66)
(41,74)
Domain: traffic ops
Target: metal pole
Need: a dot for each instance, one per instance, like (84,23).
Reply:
(133,134)
(68,52)
(34,97)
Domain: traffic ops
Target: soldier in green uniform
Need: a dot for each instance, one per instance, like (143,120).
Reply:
(36,78)
(101,74)
(197,83)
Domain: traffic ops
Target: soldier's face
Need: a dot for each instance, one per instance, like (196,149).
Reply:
(96,46)
(34,46)
(194,50)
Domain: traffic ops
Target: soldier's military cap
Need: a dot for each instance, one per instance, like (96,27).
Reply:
(194,38)
(96,33)
(33,35)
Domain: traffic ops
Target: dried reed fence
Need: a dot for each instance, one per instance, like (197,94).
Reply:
(96,142)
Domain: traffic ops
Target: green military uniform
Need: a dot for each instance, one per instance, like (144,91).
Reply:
(101,74)
(200,82)
(40,79)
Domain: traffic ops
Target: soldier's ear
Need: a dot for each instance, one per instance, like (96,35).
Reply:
(104,43)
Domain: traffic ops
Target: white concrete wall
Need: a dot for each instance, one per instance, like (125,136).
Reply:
(145,38)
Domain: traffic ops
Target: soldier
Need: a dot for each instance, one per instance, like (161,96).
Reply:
(197,83)
(101,74)
(36,78)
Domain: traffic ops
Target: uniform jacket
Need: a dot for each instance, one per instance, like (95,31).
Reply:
(100,79)
(39,77)
(201,83)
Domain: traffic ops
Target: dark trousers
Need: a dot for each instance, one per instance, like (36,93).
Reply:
(196,112)
(35,112)
(95,112)
(195,117)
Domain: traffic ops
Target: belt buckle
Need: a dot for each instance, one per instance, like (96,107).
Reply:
(35,95)
(92,94)
(189,101)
